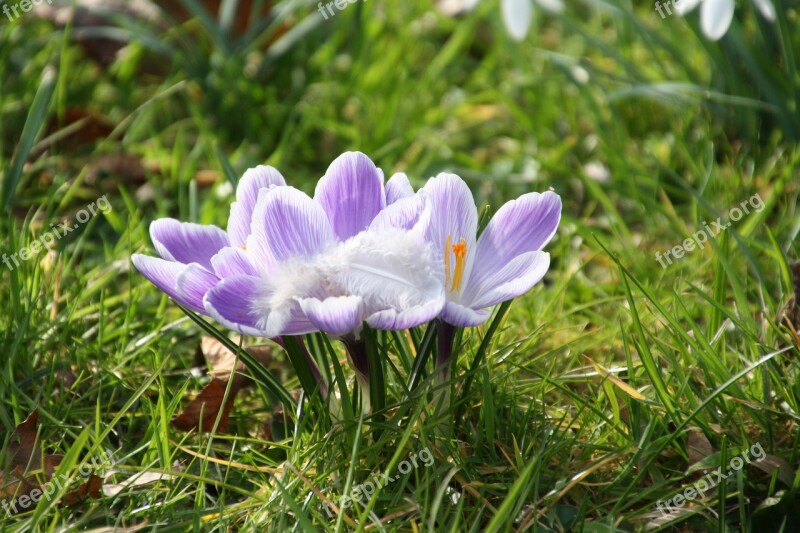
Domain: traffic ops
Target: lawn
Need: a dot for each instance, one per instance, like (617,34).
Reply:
(649,382)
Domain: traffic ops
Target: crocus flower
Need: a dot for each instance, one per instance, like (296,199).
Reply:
(504,263)
(716,15)
(186,268)
(303,275)
(193,257)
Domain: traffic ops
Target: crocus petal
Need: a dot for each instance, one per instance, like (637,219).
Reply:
(462,316)
(454,216)
(193,284)
(392,320)
(336,316)
(351,192)
(287,224)
(766,8)
(716,17)
(233,262)
(412,213)
(164,275)
(254,179)
(513,280)
(398,187)
(228,302)
(684,6)
(517,15)
(522,225)
(391,270)
(185,242)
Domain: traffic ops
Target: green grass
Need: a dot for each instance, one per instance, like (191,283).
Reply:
(578,416)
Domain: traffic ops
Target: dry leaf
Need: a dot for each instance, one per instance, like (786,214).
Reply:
(201,413)
(142,478)
(771,462)
(23,451)
(699,446)
(221,361)
(92,488)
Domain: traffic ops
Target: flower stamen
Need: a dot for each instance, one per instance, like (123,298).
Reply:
(460,251)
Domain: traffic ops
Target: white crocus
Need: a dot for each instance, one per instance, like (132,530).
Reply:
(716,15)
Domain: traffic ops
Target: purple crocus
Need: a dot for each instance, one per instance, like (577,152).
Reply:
(189,262)
(504,263)
(309,268)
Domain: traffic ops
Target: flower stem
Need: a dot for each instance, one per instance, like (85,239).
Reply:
(446,336)
(359,360)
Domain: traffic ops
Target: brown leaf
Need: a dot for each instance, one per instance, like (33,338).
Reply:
(699,446)
(771,462)
(92,488)
(23,451)
(201,413)
(221,361)
(24,454)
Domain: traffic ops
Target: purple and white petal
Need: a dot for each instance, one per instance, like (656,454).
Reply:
(234,262)
(186,242)
(412,213)
(351,193)
(398,187)
(229,302)
(517,16)
(164,275)
(462,316)
(453,215)
(523,225)
(288,224)
(390,269)
(336,316)
(193,284)
(716,17)
(513,280)
(253,180)
(392,319)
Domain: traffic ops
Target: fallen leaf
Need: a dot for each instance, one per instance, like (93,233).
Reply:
(699,446)
(771,462)
(222,361)
(137,480)
(202,412)
(92,488)
(24,451)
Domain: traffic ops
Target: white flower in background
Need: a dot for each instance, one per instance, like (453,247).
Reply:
(716,15)
(517,14)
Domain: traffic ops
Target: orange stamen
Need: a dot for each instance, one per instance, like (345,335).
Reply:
(460,251)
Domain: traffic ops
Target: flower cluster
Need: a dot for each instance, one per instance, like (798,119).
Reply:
(360,251)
